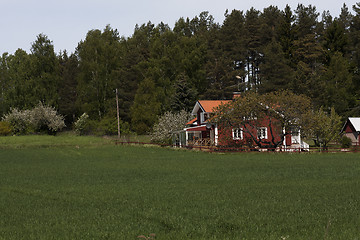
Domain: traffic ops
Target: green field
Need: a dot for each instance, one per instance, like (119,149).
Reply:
(86,188)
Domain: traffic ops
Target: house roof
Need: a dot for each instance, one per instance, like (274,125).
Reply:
(355,121)
(196,129)
(208,105)
(191,121)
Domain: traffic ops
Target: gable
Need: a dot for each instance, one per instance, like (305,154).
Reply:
(351,125)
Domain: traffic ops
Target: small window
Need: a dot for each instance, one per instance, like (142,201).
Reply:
(262,133)
(237,133)
(202,117)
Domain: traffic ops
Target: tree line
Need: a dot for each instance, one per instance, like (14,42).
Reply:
(159,69)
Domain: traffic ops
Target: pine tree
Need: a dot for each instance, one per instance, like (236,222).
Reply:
(276,74)
(45,71)
(146,107)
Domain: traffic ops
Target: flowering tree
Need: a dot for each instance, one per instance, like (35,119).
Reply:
(167,124)
(39,119)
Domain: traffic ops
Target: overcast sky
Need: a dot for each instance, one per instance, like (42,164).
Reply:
(66,22)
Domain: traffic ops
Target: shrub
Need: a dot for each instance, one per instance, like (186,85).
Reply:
(106,126)
(345,142)
(45,118)
(5,129)
(18,120)
(39,119)
(82,124)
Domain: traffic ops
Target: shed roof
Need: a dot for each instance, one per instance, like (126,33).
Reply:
(355,121)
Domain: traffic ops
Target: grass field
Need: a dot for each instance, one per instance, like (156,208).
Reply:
(90,189)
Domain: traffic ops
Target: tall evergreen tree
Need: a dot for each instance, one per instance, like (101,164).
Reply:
(253,46)
(276,74)
(306,20)
(45,71)
(68,87)
(355,47)
(286,32)
(4,83)
(146,107)
(335,39)
(184,96)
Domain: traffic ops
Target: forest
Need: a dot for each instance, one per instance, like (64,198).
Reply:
(159,69)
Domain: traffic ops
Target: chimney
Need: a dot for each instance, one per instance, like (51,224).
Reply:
(236,95)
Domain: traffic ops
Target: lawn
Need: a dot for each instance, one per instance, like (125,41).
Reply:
(96,190)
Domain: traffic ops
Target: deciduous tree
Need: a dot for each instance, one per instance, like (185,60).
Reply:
(281,110)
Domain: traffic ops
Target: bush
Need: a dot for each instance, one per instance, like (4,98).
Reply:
(18,120)
(81,125)
(46,119)
(106,126)
(345,142)
(39,119)
(5,129)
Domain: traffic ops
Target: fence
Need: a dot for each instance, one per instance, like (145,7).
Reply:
(209,148)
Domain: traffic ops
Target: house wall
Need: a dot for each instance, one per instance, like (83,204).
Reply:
(350,132)
(354,140)
(226,139)
(349,128)
(198,115)
(288,140)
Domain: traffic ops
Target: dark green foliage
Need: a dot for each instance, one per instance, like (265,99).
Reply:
(98,76)
(265,50)
(146,107)
(108,126)
(345,142)
(45,72)
(184,96)
(68,87)
(339,91)
(276,73)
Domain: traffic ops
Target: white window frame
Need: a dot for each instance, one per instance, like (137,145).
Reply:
(237,134)
(202,117)
(262,133)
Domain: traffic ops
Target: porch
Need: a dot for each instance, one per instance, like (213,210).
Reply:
(195,136)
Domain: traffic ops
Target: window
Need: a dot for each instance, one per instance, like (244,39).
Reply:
(295,135)
(262,133)
(237,133)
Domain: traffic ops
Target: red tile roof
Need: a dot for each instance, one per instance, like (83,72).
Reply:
(209,105)
(191,121)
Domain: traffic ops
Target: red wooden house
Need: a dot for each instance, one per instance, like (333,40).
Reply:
(199,131)
(351,129)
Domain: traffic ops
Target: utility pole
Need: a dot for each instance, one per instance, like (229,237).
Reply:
(118,117)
